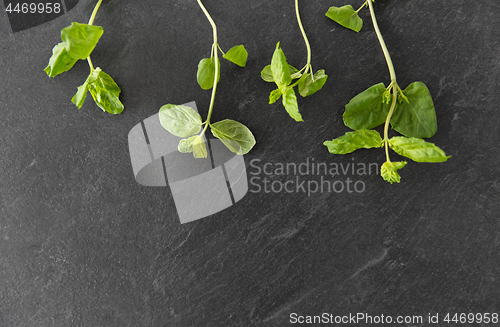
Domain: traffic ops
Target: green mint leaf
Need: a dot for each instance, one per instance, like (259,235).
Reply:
(417,149)
(417,117)
(235,136)
(345,16)
(60,61)
(206,73)
(199,147)
(307,86)
(237,55)
(105,91)
(274,96)
(267,75)
(353,141)
(182,121)
(367,110)
(80,39)
(280,69)
(389,171)
(291,105)
(186,145)
(80,95)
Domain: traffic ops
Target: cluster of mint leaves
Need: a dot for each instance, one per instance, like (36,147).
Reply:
(78,42)
(282,74)
(184,121)
(410,112)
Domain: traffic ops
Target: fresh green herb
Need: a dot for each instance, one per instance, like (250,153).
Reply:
(410,112)
(282,74)
(183,121)
(78,42)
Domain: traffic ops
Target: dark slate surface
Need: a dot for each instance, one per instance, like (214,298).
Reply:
(82,244)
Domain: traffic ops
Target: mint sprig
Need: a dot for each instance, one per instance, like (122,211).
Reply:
(78,42)
(410,112)
(282,74)
(184,121)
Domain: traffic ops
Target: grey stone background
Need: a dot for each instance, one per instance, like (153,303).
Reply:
(82,244)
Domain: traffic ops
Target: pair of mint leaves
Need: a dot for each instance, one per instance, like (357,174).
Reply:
(410,112)
(184,121)
(78,42)
(206,67)
(282,74)
(414,117)
(414,114)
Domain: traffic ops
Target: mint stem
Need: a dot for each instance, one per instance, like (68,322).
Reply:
(91,21)
(308,46)
(216,57)
(90,64)
(388,120)
(94,12)
(382,43)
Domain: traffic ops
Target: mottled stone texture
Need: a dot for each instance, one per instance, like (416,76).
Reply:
(82,244)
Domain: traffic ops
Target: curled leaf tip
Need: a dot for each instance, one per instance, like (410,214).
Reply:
(389,171)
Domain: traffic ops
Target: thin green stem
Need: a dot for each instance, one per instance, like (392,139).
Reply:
(388,120)
(91,21)
(312,72)
(304,35)
(382,43)
(390,85)
(223,53)
(294,84)
(402,94)
(216,57)
(96,8)
(90,64)
(300,71)
(393,84)
(364,4)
